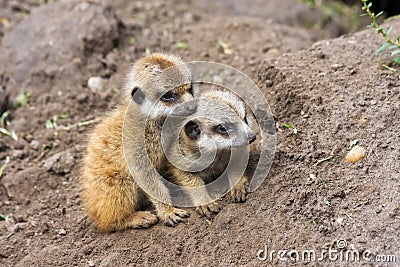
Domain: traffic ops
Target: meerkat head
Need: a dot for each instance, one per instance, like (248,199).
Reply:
(159,83)
(220,122)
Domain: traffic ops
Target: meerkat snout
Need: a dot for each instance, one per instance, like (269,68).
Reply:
(185,109)
(223,135)
(192,130)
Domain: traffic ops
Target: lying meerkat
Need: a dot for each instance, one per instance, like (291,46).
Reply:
(110,194)
(222,121)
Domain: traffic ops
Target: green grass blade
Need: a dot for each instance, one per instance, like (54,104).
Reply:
(382,48)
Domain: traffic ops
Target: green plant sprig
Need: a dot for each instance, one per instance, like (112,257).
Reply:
(390,44)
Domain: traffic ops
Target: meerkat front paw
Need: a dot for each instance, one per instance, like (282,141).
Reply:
(239,192)
(142,219)
(174,216)
(208,210)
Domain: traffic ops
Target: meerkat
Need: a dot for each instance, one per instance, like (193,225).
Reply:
(110,194)
(222,121)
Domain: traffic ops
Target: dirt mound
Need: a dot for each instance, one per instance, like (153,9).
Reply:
(336,93)
(333,93)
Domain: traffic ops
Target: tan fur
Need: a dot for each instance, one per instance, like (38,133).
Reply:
(109,192)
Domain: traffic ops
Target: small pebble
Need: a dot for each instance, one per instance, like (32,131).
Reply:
(108,261)
(82,98)
(95,84)
(336,66)
(82,6)
(18,154)
(355,154)
(87,251)
(35,144)
(321,55)
(62,232)
(18,227)
(273,53)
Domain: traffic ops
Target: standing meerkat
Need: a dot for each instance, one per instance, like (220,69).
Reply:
(110,194)
(222,122)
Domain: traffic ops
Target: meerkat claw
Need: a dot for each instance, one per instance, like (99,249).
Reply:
(208,210)
(182,213)
(239,194)
(176,216)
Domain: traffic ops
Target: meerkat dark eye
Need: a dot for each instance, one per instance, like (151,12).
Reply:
(246,120)
(169,97)
(221,129)
(191,88)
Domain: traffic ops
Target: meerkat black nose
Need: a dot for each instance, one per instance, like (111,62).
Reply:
(252,137)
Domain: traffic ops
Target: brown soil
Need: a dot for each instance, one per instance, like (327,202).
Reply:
(333,92)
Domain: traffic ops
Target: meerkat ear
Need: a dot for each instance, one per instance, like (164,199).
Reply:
(192,130)
(137,95)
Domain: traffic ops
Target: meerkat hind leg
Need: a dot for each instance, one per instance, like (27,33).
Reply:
(113,206)
(167,213)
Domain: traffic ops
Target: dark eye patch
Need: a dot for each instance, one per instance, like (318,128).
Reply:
(137,95)
(191,88)
(169,97)
(222,129)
